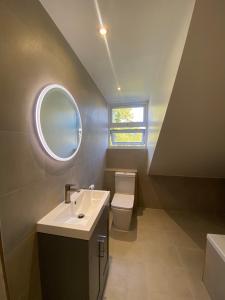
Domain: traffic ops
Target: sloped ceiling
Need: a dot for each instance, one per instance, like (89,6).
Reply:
(145,40)
(192,139)
(141,53)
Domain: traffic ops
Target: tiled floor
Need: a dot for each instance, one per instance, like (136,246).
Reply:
(162,257)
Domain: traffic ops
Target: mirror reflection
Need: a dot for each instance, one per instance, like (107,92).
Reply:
(58,122)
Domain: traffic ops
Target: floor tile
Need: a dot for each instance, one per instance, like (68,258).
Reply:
(162,257)
(192,260)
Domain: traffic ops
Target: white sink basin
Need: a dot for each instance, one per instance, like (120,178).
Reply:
(78,218)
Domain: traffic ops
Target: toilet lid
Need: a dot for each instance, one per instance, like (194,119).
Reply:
(123,201)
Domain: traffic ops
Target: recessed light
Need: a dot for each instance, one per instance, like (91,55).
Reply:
(119,88)
(102,31)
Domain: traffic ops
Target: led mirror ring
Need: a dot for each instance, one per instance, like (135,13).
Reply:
(39,103)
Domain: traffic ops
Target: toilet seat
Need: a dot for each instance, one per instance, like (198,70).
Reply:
(123,201)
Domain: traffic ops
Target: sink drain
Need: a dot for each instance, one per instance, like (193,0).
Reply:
(81,216)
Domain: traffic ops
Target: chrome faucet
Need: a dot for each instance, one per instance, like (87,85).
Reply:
(68,189)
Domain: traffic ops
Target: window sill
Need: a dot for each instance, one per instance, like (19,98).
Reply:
(127,147)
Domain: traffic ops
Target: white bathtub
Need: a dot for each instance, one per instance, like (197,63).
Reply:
(214,273)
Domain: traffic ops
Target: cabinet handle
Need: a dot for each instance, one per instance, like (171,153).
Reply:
(101,241)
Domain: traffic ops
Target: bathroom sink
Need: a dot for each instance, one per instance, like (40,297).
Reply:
(78,218)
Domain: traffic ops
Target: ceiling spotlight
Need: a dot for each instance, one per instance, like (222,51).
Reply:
(119,88)
(102,31)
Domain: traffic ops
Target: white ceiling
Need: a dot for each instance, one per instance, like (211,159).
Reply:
(145,38)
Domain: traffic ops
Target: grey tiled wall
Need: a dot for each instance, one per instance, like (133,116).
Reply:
(167,192)
(33,54)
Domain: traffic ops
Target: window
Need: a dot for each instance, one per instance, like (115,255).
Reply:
(128,125)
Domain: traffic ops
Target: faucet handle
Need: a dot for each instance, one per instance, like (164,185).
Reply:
(91,187)
(70,186)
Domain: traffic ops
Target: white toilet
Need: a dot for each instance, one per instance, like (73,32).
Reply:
(123,200)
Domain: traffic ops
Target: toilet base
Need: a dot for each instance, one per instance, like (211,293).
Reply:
(122,218)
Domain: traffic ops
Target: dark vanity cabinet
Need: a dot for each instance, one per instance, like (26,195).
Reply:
(75,269)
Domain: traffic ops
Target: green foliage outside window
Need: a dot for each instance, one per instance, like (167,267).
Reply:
(125,115)
(130,137)
(121,115)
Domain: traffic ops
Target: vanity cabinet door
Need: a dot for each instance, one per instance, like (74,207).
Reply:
(103,239)
(98,257)
(94,283)
(74,269)
(64,267)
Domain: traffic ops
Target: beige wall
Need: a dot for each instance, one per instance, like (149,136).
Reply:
(170,193)
(32,54)
(187,193)
(191,141)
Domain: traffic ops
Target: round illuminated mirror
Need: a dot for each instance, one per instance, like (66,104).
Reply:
(58,122)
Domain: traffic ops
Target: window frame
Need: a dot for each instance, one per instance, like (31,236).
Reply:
(142,143)
(143,126)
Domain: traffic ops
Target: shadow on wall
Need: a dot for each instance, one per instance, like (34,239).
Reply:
(193,227)
(186,194)
(166,192)
(3,284)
